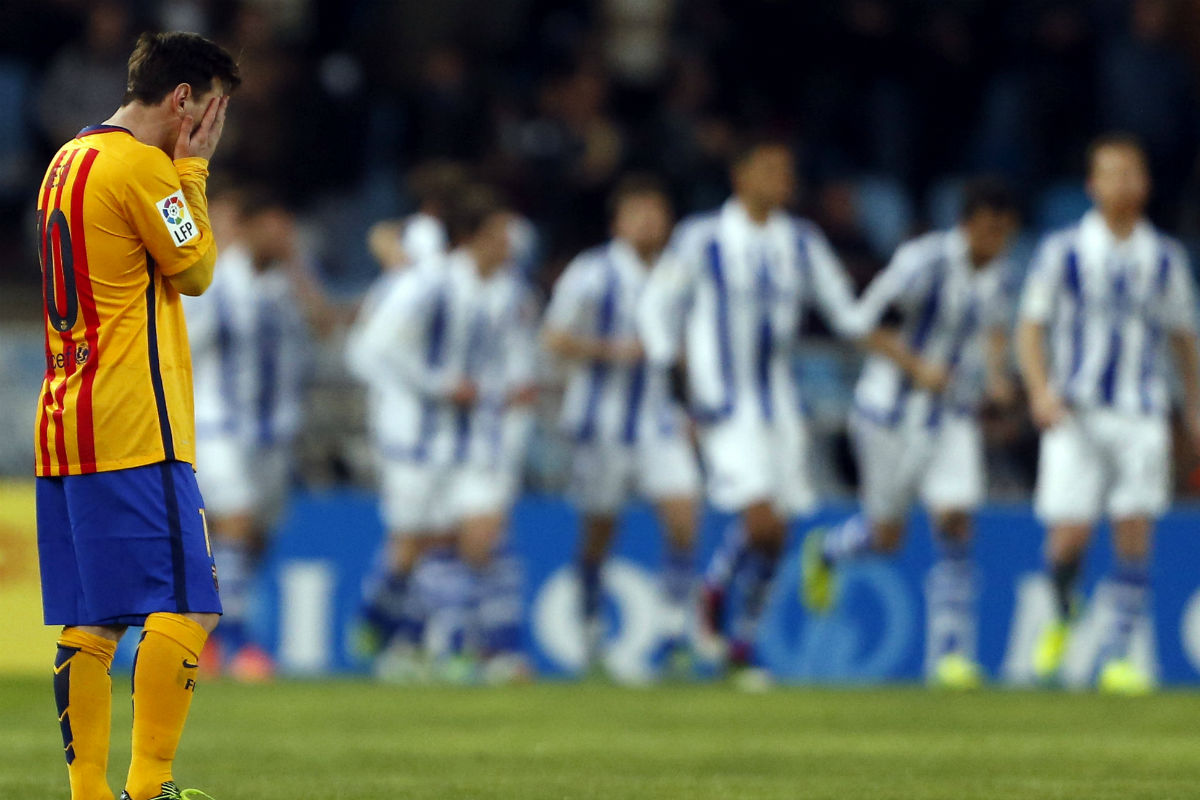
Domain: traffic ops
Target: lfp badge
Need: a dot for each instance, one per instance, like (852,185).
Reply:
(177,218)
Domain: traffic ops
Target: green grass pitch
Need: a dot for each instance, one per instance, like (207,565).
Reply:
(358,741)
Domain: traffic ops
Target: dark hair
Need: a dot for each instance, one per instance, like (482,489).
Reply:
(470,211)
(437,182)
(1121,139)
(636,184)
(988,193)
(749,145)
(162,61)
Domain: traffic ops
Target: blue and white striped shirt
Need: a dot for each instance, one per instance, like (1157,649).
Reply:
(730,297)
(598,296)
(1108,306)
(946,306)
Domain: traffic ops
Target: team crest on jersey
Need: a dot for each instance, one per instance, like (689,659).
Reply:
(177,218)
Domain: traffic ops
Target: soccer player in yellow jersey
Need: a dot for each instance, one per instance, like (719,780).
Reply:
(123,230)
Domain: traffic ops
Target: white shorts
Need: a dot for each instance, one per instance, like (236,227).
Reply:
(1100,461)
(236,478)
(748,461)
(604,475)
(417,499)
(481,491)
(943,466)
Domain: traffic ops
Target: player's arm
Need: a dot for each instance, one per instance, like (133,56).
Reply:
(521,353)
(831,286)
(1000,388)
(393,338)
(167,206)
(385,243)
(561,336)
(1180,319)
(904,279)
(888,343)
(666,297)
(1037,304)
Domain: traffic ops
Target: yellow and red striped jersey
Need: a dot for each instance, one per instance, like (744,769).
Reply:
(115,217)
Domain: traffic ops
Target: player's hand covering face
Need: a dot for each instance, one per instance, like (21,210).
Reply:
(199,140)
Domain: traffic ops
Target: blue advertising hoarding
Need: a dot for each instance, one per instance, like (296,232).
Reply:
(328,542)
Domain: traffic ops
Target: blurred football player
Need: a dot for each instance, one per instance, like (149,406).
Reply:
(423,348)
(938,317)
(249,338)
(727,302)
(1109,292)
(502,364)
(629,434)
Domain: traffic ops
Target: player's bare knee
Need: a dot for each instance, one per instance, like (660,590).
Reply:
(598,532)
(888,537)
(207,621)
(678,518)
(479,539)
(764,528)
(1132,538)
(954,526)
(111,632)
(1067,541)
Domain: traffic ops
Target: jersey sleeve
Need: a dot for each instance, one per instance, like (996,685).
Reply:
(1179,309)
(829,284)
(388,338)
(901,284)
(998,303)
(663,306)
(166,205)
(569,300)
(521,342)
(1043,282)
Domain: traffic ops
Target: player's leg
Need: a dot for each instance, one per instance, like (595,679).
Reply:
(82,686)
(669,476)
(145,558)
(1067,500)
(272,481)
(496,579)
(83,696)
(1140,452)
(599,487)
(891,462)
(753,471)
(228,490)
(953,487)
(390,612)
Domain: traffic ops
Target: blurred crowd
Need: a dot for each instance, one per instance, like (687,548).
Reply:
(887,104)
(886,101)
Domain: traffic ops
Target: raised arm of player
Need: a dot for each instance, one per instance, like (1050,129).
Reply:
(829,285)
(166,204)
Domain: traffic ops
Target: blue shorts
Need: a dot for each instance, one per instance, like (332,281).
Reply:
(117,546)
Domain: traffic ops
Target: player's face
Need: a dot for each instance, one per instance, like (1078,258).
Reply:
(1119,181)
(270,235)
(767,177)
(643,220)
(989,233)
(492,244)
